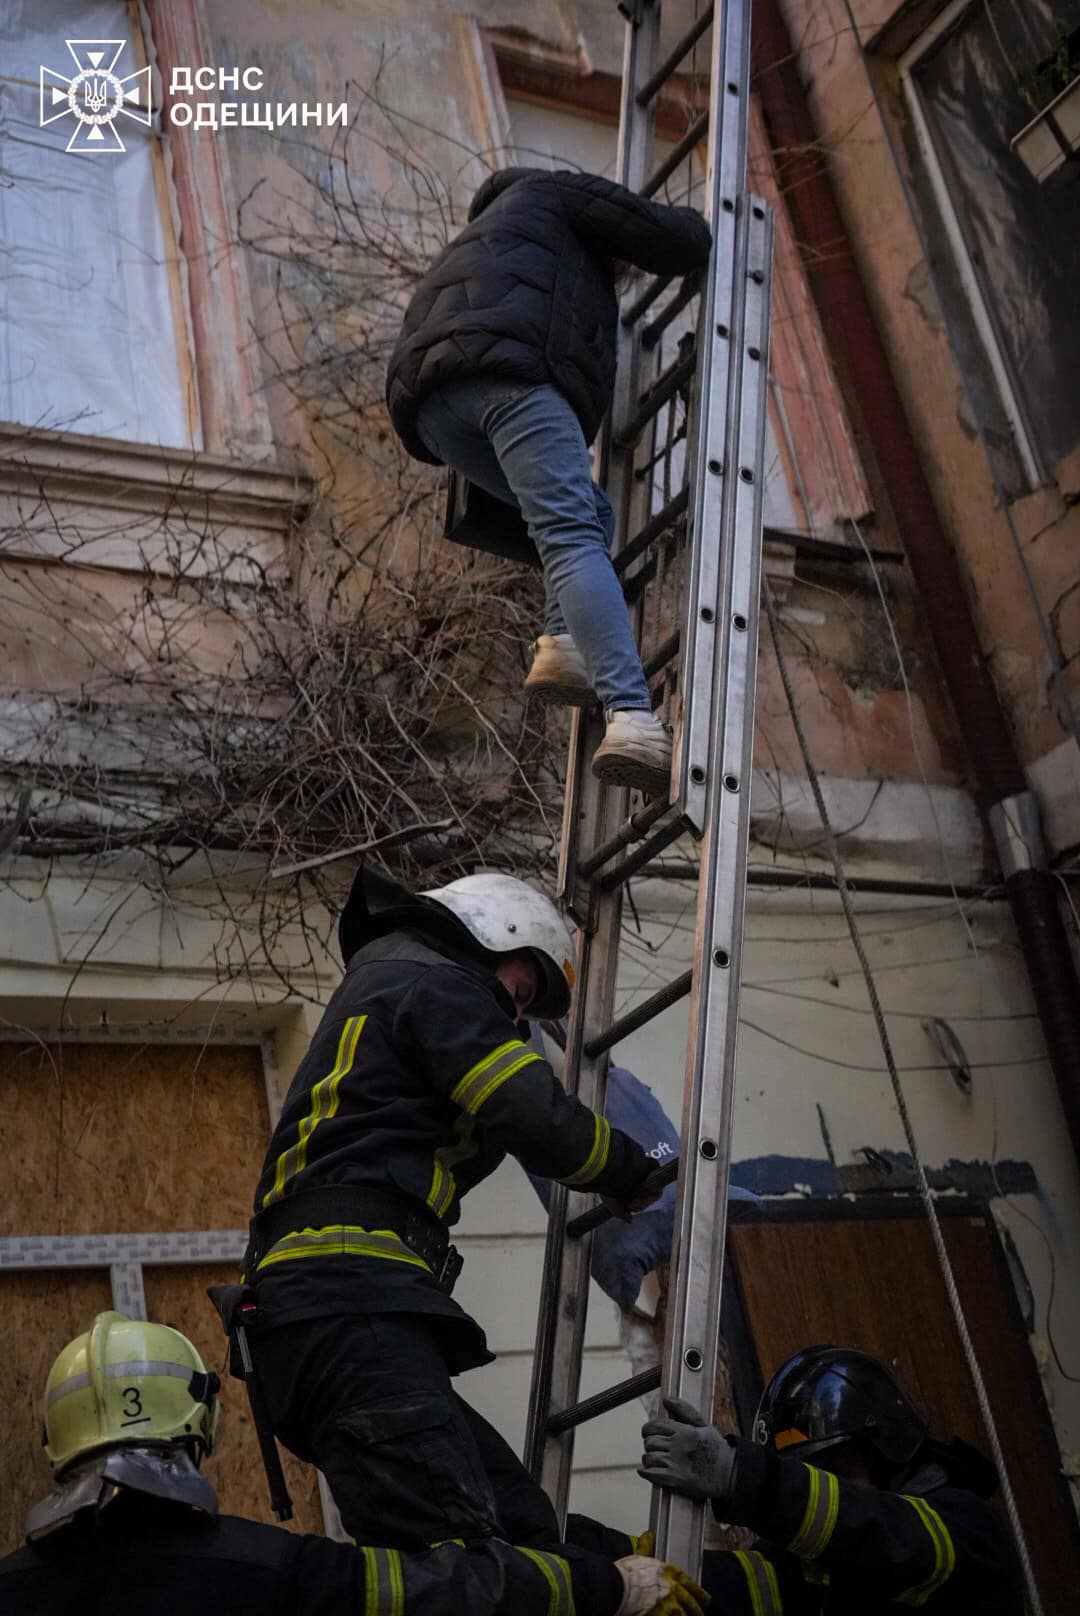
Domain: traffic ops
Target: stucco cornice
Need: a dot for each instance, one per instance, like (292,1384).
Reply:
(132,507)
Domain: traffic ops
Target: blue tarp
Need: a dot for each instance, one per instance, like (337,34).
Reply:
(623,1253)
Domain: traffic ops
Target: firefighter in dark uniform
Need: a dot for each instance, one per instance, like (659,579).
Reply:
(857,1507)
(416,1085)
(132,1526)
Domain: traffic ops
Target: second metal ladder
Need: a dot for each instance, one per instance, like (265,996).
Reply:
(706,537)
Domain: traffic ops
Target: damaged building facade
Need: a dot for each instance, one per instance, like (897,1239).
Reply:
(196,473)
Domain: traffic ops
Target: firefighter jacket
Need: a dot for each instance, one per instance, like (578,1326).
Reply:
(834,1548)
(143,1557)
(416,1083)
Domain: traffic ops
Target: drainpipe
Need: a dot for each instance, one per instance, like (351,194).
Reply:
(1002,792)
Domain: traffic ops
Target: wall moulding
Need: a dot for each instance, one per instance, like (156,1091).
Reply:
(100,502)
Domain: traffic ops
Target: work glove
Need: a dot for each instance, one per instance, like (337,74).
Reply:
(651,1588)
(687,1454)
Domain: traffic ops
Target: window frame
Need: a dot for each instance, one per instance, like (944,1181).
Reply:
(829,492)
(1032,462)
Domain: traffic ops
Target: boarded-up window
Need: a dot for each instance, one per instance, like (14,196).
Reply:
(874,1283)
(123,1139)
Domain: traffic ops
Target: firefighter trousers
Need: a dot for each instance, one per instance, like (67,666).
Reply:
(369,1400)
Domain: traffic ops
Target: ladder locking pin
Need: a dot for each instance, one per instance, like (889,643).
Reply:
(707,614)
(739,622)
(733,89)
(692,1358)
(755,353)
(746,474)
(728,205)
(709,1150)
(721,957)
(759,213)
(721,331)
(716,467)
(731,782)
(697,774)
(757,276)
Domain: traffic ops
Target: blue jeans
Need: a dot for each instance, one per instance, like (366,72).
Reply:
(523,444)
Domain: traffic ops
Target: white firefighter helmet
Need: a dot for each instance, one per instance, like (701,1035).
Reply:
(504,914)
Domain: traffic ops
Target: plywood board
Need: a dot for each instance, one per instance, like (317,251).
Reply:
(874,1283)
(41,1313)
(124,1138)
(177,1296)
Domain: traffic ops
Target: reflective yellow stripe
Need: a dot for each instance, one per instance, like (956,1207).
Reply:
(384,1586)
(596,1160)
(481,1080)
(342,1239)
(397,1583)
(439,1541)
(496,1082)
(294,1160)
(761,1582)
(557,1576)
(371,1581)
(944,1553)
(440,1196)
(819,1519)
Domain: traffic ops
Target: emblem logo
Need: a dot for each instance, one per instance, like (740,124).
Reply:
(95,96)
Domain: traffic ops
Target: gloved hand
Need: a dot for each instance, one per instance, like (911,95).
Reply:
(686,1454)
(651,1588)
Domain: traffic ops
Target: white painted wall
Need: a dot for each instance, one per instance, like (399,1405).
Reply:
(806,1040)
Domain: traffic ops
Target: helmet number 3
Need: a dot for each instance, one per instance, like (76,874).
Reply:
(132,1407)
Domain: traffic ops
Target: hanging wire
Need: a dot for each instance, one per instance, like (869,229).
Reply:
(921,1180)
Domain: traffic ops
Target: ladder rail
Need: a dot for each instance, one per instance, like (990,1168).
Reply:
(564,1296)
(693,1316)
(713,647)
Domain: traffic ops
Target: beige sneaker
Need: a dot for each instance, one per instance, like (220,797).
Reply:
(558,672)
(635,751)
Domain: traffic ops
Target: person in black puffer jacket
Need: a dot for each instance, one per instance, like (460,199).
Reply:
(504,369)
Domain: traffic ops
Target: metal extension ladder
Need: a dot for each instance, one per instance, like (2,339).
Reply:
(713,528)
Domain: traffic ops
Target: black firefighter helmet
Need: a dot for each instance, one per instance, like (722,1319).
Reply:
(827,1395)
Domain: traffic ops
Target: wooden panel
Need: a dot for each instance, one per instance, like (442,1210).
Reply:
(42,1312)
(177,1296)
(122,1138)
(874,1283)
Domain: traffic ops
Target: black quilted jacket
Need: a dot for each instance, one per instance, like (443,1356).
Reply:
(527,290)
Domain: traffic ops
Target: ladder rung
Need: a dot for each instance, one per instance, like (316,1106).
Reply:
(625,1025)
(652,333)
(654,400)
(632,831)
(652,530)
(645,298)
(577,1228)
(604,1402)
(681,152)
(665,651)
(635,587)
(671,61)
(634,861)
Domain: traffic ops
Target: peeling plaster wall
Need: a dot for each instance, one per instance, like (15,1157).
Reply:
(859,718)
(897,275)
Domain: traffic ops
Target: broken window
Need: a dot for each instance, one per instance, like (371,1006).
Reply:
(1009,254)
